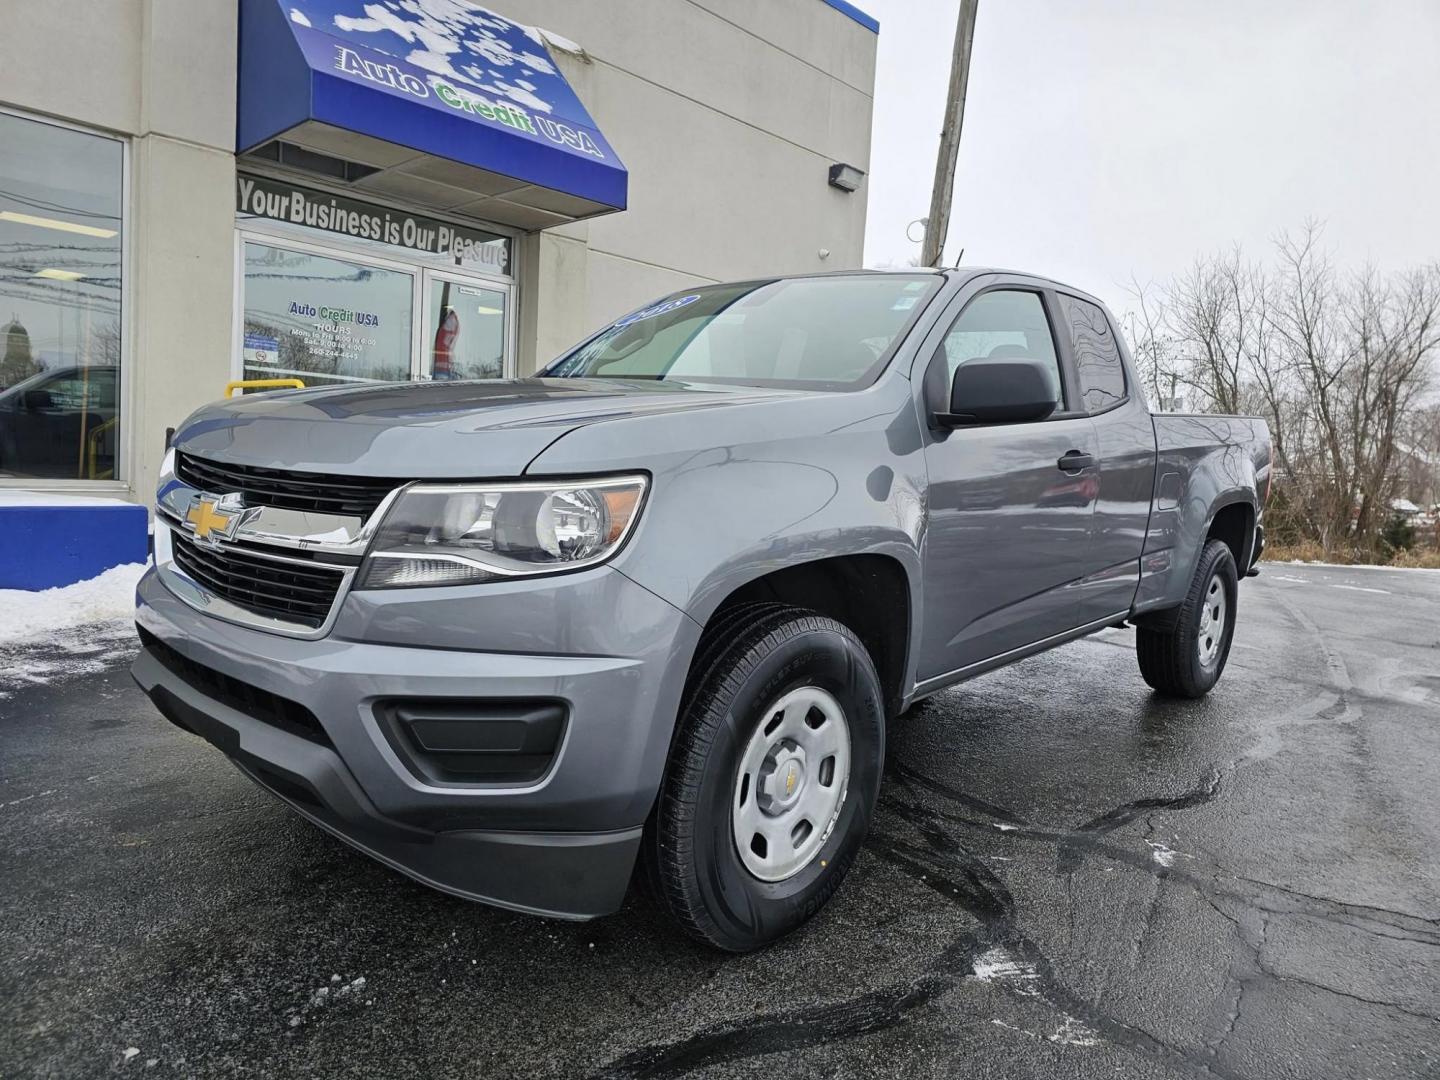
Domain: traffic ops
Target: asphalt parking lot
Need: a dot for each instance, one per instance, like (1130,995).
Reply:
(1068,877)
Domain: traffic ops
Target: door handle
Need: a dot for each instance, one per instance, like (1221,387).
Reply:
(1075,461)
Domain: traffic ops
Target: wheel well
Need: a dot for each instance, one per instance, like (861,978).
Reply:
(1235,525)
(870,594)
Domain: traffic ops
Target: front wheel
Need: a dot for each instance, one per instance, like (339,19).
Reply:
(772,780)
(1187,659)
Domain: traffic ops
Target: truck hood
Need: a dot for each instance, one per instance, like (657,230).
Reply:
(486,428)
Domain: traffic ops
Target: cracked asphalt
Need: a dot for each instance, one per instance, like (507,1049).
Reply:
(1067,878)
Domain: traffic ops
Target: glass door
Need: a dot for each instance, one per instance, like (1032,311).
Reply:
(467,329)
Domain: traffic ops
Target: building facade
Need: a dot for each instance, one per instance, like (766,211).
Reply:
(205,191)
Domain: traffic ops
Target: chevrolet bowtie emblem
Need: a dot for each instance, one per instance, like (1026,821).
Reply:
(790,775)
(215,515)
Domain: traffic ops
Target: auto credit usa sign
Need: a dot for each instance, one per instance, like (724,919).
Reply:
(455,57)
(389,74)
(445,78)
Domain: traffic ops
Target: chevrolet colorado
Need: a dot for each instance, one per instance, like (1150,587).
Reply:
(661,600)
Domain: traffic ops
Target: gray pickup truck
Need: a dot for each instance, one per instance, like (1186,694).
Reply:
(661,601)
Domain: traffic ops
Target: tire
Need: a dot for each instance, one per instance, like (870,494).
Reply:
(794,687)
(1182,661)
(716,639)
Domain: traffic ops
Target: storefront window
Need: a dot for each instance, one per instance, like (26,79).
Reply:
(324,320)
(340,290)
(61,193)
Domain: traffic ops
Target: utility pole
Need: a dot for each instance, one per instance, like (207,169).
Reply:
(937,224)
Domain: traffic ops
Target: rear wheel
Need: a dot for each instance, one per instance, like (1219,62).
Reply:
(772,780)
(1186,660)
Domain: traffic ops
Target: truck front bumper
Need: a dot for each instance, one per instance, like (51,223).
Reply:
(309,720)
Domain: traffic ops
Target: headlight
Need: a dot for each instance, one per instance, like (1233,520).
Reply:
(459,534)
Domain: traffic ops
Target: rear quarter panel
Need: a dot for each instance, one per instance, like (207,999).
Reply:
(1203,464)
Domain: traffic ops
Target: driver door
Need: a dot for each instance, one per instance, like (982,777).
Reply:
(1010,519)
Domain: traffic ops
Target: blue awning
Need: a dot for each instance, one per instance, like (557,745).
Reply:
(447,104)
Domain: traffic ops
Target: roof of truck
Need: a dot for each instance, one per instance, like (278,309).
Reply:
(963,272)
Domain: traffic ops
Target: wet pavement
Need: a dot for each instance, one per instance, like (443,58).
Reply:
(1067,878)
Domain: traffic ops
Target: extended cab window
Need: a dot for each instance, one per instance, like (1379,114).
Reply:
(824,333)
(1000,323)
(91,389)
(1097,356)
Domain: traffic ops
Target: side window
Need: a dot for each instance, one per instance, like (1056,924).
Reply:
(1001,323)
(75,392)
(1097,356)
(102,389)
(66,392)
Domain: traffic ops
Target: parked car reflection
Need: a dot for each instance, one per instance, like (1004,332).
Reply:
(61,424)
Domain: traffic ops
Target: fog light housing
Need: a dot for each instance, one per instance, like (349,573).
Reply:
(461,743)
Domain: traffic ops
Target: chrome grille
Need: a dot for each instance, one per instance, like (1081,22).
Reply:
(347,496)
(293,590)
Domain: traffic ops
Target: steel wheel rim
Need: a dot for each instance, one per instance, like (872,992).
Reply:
(791,783)
(1211,634)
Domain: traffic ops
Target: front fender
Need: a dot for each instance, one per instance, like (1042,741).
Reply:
(739,492)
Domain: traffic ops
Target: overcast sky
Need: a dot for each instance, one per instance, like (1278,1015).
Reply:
(1109,137)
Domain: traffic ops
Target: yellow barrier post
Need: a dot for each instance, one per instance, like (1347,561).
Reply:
(262,384)
(92,443)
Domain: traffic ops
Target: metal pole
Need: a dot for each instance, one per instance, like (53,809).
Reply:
(943,192)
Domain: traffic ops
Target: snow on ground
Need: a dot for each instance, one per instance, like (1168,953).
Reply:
(21,497)
(1164,854)
(29,616)
(74,630)
(1345,566)
(997,963)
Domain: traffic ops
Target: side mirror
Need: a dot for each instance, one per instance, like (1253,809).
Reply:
(35,400)
(1004,390)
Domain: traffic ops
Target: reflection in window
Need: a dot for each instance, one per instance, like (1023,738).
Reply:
(324,320)
(1097,357)
(60,268)
(465,335)
(823,333)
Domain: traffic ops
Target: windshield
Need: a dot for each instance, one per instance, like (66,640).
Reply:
(832,333)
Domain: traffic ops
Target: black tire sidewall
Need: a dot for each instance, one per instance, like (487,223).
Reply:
(1216,558)
(747,911)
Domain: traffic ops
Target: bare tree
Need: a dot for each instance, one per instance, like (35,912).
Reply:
(1338,365)
(1396,329)
(1153,346)
(1219,309)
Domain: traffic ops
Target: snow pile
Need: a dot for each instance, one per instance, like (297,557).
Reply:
(74,630)
(29,616)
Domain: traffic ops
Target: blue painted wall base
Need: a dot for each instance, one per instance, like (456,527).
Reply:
(42,547)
